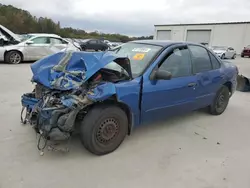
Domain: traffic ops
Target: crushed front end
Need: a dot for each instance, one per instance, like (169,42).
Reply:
(66,84)
(52,113)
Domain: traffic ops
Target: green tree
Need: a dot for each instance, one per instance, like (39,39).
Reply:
(21,22)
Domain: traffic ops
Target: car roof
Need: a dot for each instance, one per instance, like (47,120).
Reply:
(163,43)
(44,34)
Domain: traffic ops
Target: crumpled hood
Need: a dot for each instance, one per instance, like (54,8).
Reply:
(69,70)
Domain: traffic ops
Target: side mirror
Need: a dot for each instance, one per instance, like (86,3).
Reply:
(160,75)
(29,42)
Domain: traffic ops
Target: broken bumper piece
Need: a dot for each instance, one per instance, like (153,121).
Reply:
(52,118)
(243,83)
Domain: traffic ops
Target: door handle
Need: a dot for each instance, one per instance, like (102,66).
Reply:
(192,84)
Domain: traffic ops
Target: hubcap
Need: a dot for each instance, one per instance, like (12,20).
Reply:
(221,102)
(107,131)
(15,58)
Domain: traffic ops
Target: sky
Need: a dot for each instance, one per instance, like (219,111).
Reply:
(134,17)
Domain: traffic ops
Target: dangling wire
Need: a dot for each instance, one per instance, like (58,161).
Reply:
(23,120)
(38,143)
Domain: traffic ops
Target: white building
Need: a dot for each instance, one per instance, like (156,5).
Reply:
(233,34)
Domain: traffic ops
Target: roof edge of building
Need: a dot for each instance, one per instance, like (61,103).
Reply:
(212,23)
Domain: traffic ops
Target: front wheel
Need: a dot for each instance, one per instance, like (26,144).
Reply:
(13,57)
(220,102)
(103,129)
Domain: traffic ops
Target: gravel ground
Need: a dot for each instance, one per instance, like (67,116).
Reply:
(196,150)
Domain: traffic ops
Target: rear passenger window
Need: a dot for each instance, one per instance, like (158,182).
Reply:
(200,59)
(215,62)
(55,41)
(178,63)
(92,42)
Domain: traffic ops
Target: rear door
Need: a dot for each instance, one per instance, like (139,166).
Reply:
(163,98)
(207,71)
(102,45)
(38,49)
(56,45)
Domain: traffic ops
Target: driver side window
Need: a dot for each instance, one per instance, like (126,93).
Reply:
(178,63)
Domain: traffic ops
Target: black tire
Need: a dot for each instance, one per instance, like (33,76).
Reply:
(13,57)
(103,129)
(220,102)
(234,56)
(242,55)
(223,56)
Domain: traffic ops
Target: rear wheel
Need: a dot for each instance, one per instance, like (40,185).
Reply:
(234,56)
(220,102)
(103,129)
(13,57)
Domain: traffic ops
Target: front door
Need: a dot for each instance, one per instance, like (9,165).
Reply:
(38,49)
(164,98)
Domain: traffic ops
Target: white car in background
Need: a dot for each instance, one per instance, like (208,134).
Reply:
(224,52)
(34,46)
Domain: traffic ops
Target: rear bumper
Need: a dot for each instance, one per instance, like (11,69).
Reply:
(245,54)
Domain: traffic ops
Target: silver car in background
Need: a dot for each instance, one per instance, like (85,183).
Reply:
(224,52)
(33,47)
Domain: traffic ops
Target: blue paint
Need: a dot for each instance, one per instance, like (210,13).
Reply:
(147,100)
(88,63)
(102,92)
(69,102)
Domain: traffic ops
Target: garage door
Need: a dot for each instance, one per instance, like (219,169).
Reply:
(199,36)
(163,35)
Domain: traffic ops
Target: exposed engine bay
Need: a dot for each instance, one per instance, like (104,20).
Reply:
(53,112)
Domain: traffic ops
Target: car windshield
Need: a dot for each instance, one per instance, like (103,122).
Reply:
(25,37)
(84,40)
(139,55)
(219,48)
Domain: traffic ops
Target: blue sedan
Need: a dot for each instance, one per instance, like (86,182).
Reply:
(108,94)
